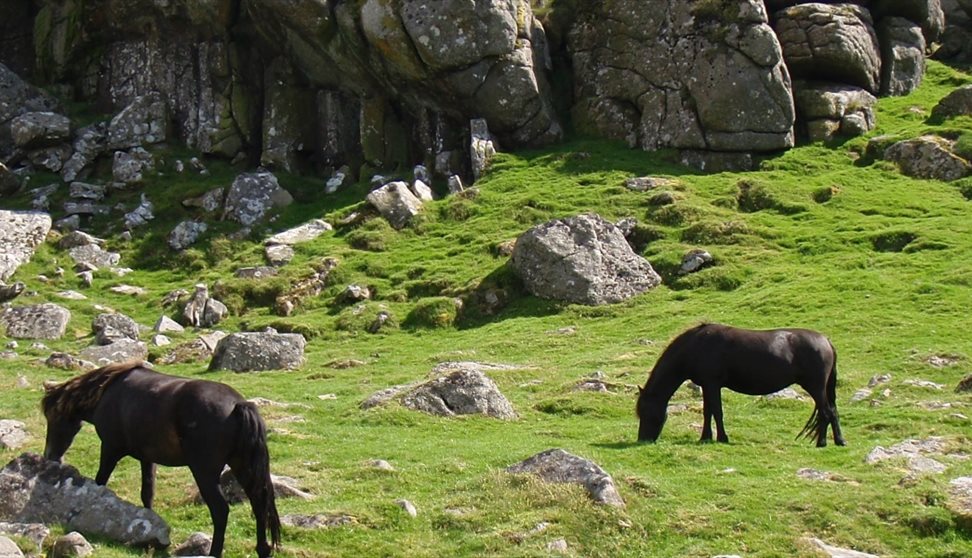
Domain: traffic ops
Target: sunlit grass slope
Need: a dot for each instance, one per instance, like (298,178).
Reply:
(819,237)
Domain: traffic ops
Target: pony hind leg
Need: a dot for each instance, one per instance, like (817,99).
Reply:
(207,479)
(260,499)
(835,426)
(832,405)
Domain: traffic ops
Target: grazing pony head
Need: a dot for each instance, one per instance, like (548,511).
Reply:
(62,424)
(651,412)
(66,404)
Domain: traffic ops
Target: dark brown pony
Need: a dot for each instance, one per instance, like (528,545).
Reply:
(746,361)
(167,420)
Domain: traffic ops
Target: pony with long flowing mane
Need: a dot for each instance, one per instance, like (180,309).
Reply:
(747,361)
(172,421)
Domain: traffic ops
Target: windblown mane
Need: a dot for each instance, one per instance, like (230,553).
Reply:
(80,394)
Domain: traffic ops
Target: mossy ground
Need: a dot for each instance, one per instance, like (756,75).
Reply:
(879,262)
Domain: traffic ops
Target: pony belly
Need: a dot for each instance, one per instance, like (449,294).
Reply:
(761,387)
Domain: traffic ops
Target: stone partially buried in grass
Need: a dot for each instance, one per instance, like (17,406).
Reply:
(557,465)
(463,392)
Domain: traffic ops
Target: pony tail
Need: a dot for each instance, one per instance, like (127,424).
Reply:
(810,428)
(251,449)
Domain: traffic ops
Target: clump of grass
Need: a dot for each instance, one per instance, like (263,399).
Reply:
(642,235)
(724,232)
(366,317)
(674,214)
(963,146)
(458,209)
(309,331)
(240,295)
(825,194)
(192,259)
(434,313)
(752,196)
(374,236)
(893,241)
(964,186)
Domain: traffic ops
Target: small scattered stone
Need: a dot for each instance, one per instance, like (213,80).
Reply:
(71,544)
(197,544)
(13,434)
(381,465)
(836,552)
(559,546)
(128,290)
(317,521)
(408,507)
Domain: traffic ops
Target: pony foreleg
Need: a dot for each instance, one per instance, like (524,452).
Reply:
(208,483)
(106,466)
(148,483)
(712,408)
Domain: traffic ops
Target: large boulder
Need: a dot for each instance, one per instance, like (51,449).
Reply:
(834,110)
(37,490)
(265,350)
(20,235)
(557,465)
(109,328)
(928,157)
(252,195)
(689,75)
(902,55)
(39,129)
(38,321)
(926,13)
(956,103)
(583,259)
(466,391)
(18,97)
(143,122)
(94,255)
(121,350)
(830,42)
(9,549)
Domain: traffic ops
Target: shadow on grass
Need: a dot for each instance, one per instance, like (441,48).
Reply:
(622,445)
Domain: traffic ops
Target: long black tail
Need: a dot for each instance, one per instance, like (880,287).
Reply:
(815,420)
(253,458)
(810,428)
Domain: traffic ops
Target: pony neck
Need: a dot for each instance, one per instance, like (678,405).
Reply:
(664,381)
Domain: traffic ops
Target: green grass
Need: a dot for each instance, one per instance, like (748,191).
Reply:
(879,262)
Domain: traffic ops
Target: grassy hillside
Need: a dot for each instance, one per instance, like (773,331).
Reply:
(818,238)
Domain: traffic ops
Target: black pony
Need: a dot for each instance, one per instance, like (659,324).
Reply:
(172,421)
(752,362)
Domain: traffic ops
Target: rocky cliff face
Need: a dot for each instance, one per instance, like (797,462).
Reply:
(293,83)
(689,75)
(312,84)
